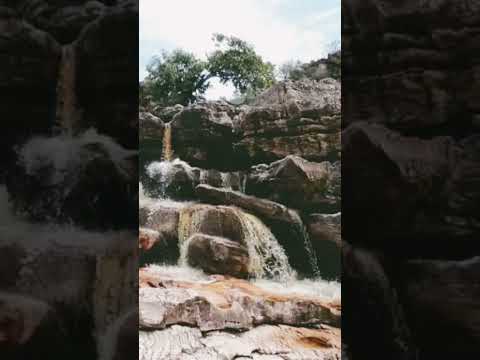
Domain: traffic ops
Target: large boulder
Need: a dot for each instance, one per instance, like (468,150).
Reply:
(216,255)
(298,183)
(221,221)
(292,118)
(286,224)
(203,135)
(160,228)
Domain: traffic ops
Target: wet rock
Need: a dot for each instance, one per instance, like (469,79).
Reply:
(298,183)
(225,304)
(286,224)
(445,293)
(211,220)
(177,179)
(265,342)
(263,208)
(163,220)
(216,255)
(292,118)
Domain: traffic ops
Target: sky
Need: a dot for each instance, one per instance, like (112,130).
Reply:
(280,30)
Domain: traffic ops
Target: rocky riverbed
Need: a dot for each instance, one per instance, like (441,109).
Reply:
(240,232)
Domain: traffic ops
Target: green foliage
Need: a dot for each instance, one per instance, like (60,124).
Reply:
(180,78)
(235,60)
(176,78)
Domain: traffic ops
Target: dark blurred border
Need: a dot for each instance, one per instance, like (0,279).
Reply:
(411,179)
(69,179)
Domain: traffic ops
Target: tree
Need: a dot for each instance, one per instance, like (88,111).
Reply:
(236,60)
(180,78)
(176,78)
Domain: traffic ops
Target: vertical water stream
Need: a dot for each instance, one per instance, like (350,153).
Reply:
(67,113)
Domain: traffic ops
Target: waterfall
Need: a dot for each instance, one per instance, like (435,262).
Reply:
(226,180)
(267,257)
(67,114)
(303,233)
(167,152)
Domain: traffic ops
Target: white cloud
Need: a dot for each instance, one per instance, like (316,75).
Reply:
(189,24)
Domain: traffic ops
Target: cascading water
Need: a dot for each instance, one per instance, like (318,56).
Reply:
(167,150)
(312,255)
(267,257)
(67,113)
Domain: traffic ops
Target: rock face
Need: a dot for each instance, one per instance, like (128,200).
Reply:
(293,118)
(410,162)
(297,183)
(199,131)
(216,255)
